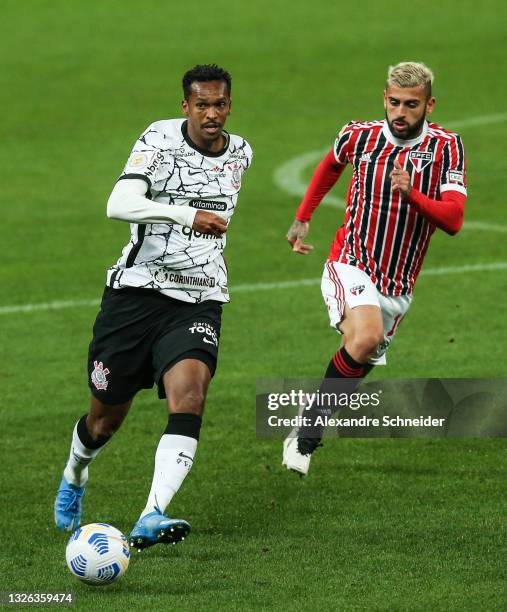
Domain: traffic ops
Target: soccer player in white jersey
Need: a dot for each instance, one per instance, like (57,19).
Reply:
(160,315)
(409,178)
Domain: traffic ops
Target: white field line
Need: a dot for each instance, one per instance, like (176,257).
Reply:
(288,176)
(302,282)
(57,305)
(487,227)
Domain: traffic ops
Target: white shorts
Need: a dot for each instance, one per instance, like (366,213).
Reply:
(344,284)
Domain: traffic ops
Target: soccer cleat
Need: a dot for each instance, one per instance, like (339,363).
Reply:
(68,505)
(292,459)
(157,528)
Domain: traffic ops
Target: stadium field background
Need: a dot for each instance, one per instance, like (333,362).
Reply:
(378,524)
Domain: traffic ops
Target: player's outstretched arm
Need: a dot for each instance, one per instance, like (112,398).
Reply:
(128,202)
(296,235)
(327,172)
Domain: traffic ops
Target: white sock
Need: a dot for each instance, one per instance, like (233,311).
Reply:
(76,470)
(173,460)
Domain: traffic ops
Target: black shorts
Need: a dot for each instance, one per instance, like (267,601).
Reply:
(140,333)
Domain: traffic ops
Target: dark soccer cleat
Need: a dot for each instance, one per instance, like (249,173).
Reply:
(157,528)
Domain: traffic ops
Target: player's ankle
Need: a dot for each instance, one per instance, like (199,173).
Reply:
(77,478)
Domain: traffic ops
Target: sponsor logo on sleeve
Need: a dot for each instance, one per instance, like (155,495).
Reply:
(155,163)
(420,159)
(138,160)
(455,176)
(148,161)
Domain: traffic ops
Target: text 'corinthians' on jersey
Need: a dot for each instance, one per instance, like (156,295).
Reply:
(176,260)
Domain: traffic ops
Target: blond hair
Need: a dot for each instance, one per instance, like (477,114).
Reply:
(410,74)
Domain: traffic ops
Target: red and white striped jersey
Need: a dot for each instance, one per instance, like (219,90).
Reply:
(383,235)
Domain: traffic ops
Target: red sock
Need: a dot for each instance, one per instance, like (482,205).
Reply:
(342,365)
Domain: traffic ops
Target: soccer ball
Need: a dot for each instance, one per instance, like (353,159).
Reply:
(98,554)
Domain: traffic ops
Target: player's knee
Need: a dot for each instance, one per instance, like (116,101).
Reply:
(103,426)
(365,342)
(189,400)
(105,419)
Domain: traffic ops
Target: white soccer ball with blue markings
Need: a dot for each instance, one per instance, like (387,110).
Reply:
(98,554)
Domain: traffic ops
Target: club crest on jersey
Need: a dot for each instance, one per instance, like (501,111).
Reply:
(357,289)
(160,275)
(99,375)
(420,159)
(236,175)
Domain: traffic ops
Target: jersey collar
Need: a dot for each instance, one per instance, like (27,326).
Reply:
(399,142)
(191,143)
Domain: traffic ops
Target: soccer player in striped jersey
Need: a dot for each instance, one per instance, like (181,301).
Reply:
(409,179)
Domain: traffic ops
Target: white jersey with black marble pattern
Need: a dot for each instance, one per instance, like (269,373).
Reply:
(173,259)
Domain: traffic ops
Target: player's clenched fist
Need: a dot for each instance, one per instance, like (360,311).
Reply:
(209,223)
(296,235)
(400,179)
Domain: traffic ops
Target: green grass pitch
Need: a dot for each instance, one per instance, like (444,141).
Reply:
(378,524)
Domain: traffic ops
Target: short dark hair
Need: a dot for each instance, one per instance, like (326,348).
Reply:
(202,73)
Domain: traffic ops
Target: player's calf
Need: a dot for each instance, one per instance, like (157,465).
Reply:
(85,446)
(363,344)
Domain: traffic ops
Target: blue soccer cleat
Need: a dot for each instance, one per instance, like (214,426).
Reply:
(68,506)
(157,528)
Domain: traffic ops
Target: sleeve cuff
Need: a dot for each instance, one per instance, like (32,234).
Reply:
(453,187)
(143,177)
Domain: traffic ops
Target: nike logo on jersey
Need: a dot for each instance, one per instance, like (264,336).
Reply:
(192,172)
